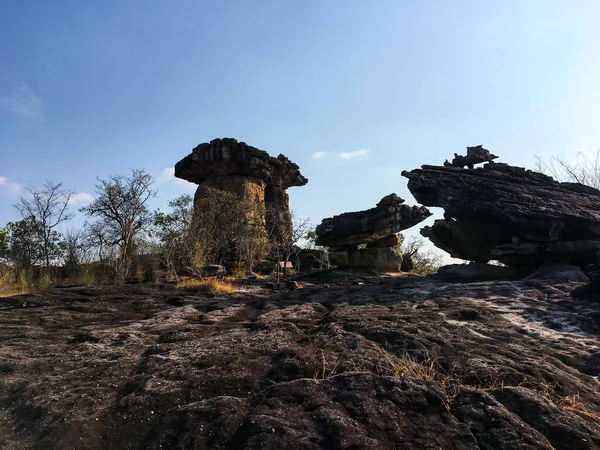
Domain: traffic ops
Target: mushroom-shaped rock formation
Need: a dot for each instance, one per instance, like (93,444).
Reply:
(237,167)
(510,214)
(375,227)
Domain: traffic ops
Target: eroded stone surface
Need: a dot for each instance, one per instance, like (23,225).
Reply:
(246,171)
(475,155)
(514,215)
(228,157)
(389,217)
(390,363)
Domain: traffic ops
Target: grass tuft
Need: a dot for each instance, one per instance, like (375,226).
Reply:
(210,285)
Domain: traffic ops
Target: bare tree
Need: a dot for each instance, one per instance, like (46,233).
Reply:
(284,238)
(424,260)
(584,169)
(74,248)
(121,213)
(48,207)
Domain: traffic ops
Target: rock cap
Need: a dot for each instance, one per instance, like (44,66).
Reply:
(227,156)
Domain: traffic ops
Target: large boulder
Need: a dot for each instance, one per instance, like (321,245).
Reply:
(509,214)
(389,217)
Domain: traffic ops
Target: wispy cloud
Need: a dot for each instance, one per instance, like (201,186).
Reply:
(24,103)
(168,176)
(354,154)
(81,198)
(9,186)
(319,155)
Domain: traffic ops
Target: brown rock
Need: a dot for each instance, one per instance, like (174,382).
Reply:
(396,363)
(250,173)
(407,263)
(245,187)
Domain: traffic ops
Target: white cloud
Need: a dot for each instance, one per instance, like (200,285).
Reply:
(24,103)
(168,176)
(354,154)
(319,155)
(10,186)
(81,198)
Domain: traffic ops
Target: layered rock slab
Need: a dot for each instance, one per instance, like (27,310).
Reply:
(376,228)
(389,217)
(510,214)
(227,156)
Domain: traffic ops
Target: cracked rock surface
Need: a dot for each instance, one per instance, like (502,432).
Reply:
(392,363)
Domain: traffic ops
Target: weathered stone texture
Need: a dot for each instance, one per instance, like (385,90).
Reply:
(246,171)
(389,217)
(510,214)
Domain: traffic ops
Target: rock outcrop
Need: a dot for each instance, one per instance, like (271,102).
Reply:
(475,155)
(376,227)
(390,363)
(251,173)
(510,214)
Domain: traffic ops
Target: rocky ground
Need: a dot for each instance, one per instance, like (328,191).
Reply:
(391,363)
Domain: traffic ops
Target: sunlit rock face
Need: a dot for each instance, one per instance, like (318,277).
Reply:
(247,171)
(510,214)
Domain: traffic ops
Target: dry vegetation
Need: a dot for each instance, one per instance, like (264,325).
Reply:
(25,281)
(210,285)
(427,368)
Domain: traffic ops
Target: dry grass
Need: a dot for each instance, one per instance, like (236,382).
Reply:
(570,402)
(18,282)
(90,275)
(35,279)
(403,366)
(211,285)
(408,367)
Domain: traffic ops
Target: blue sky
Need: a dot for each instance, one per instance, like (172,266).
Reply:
(90,89)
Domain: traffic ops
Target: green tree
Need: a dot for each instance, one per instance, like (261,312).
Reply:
(23,244)
(4,242)
(311,236)
(173,233)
